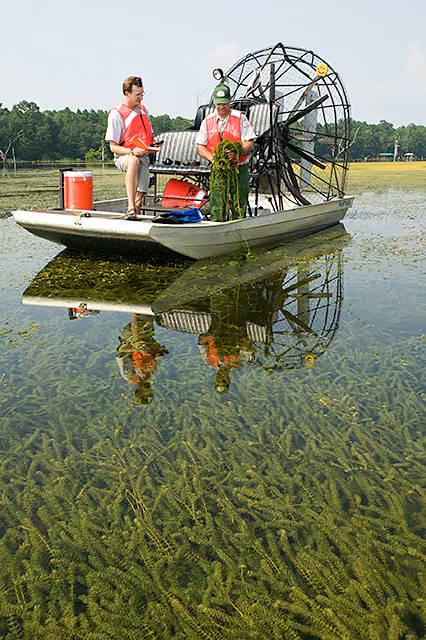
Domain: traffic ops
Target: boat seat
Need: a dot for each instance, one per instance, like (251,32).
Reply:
(178,155)
(200,322)
(202,112)
(260,117)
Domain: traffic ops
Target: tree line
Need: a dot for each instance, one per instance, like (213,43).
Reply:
(369,140)
(27,133)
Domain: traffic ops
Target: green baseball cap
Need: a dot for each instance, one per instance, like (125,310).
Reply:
(221,94)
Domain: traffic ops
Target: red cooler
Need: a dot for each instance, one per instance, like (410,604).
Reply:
(78,190)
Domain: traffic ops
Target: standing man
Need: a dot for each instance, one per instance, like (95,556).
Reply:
(226,345)
(227,124)
(128,120)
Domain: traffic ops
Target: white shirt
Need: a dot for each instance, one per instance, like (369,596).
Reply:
(246,130)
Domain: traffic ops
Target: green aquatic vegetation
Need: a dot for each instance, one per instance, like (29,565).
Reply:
(242,255)
(224,173)
(99,279)
(383,250)
(293,507)
(382,176)
(24,334)
(176,519)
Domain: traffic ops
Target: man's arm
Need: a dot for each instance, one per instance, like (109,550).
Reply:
(204,153)
(119,150)
(114,134)
(248,147)
(201,141)
(248,135)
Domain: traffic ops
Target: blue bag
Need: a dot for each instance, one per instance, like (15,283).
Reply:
(181,216)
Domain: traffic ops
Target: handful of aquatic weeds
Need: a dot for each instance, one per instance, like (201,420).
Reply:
(225,171)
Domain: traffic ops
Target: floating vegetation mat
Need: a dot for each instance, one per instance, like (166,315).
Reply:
(291,506)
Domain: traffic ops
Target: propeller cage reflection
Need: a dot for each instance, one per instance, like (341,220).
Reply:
(289,320)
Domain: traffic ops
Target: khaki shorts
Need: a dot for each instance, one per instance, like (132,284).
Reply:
(143,174)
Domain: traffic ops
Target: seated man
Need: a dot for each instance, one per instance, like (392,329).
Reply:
(227,124)
(138,355)
(128,120)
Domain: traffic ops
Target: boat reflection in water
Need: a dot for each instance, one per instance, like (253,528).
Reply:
(276,309)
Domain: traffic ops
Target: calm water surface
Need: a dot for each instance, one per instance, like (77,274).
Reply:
(217,449)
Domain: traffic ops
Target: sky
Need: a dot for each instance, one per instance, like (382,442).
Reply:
(76,54)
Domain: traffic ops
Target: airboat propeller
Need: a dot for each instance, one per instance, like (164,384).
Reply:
(302,156)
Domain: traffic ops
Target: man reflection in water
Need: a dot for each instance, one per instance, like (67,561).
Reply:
(138,354)
(226,345)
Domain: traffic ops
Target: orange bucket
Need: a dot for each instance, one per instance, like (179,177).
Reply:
(179,193)
(78,190)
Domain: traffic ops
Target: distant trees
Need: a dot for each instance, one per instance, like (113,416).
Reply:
(26,133)
(413,138)
(372,139)
(57,135)
(51,135)
(4,153)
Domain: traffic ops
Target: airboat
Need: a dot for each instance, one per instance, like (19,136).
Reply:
(299,109)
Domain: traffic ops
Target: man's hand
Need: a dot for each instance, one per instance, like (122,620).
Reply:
(139,152)
(232,155)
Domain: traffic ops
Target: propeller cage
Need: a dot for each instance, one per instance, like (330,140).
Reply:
(302,156)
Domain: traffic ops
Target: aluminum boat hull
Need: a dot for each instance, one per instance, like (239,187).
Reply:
(109,232)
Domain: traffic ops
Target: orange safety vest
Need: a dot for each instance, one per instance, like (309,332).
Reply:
(145,362)
(232,131)
(213,356)
(135,125)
